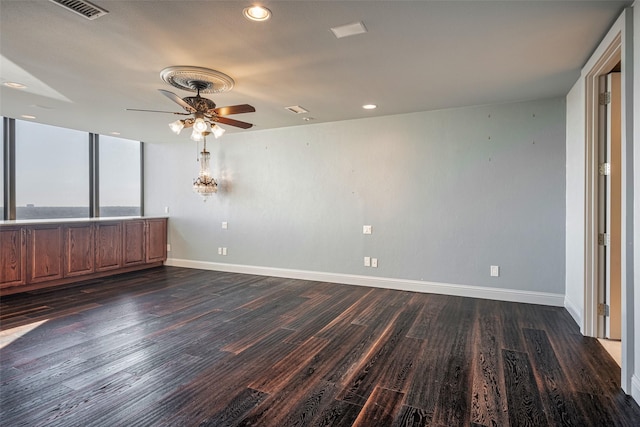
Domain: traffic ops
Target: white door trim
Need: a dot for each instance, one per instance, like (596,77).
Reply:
(611,50)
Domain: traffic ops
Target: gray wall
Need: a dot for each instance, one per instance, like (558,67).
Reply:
(448,194)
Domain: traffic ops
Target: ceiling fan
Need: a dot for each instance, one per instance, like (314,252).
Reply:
(204,114)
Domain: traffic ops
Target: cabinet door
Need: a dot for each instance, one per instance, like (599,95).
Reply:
(156,240)
(133,243)
(108,246)
(45,246)
(79,250)
(12,257)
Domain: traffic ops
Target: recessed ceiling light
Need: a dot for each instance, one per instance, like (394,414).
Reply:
(14,85)
(257,13)
(308,119)
(349,30)
(115,133)
(28,116)
(370,106)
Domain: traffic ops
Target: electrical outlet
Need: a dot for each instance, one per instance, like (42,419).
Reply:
(367,261)
(168,247)
(219,251)
(495,271)
(366,229)
(224,251)
(224,225)
(166,209)
(374,262)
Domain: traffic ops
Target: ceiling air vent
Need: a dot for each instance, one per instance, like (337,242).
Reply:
(82,7)
(296,109)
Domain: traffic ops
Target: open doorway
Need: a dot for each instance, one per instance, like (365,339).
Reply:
(611,54)
(610,213)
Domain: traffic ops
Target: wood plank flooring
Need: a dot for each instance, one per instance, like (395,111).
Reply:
(183,347)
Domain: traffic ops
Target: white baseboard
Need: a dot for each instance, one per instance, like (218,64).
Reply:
(573,311)
(512,295)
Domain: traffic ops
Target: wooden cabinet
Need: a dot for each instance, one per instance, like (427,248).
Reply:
(133,242)
(156,240)
(45,253)
(38,255)
(13,253)
(108,246)
(79,253)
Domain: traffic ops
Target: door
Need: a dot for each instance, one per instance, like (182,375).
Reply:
(133,245)
(156,240)
(79,254)
(13,270)
(610,215)
(108,246)
(45,245)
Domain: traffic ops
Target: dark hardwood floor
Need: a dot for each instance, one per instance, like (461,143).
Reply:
(172,347)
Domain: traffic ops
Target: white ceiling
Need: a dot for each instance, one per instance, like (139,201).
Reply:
(416,56)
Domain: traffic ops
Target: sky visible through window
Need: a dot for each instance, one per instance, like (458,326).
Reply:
(1,171)
(52,173)
(119,176)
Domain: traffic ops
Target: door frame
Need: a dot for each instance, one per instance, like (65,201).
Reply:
(615,47)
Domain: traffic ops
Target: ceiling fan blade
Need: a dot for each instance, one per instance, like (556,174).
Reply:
(157,111)
(231,122)
(234,109)
(175,98)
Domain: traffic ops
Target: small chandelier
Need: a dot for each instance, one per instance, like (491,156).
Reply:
(205,184)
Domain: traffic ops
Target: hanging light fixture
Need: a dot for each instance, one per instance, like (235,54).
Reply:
(205,184)
(197,136)
(176,126)
(200,125)
(217,131)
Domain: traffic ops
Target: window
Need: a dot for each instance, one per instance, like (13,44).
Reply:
(2,168)
(119,182)
(52,172)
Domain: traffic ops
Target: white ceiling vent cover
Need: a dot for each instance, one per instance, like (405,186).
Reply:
(82,7)
(297,109)
(349,30)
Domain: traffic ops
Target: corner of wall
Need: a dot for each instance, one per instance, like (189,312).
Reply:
(574,311)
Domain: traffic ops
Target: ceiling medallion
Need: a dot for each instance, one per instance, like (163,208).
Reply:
(193,79)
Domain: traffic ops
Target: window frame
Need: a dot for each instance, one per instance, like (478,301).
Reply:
(9,172)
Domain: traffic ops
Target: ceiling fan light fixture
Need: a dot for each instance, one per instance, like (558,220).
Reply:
(197,136)
(217,131)
(176,126)
(200,125)
(257,13)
